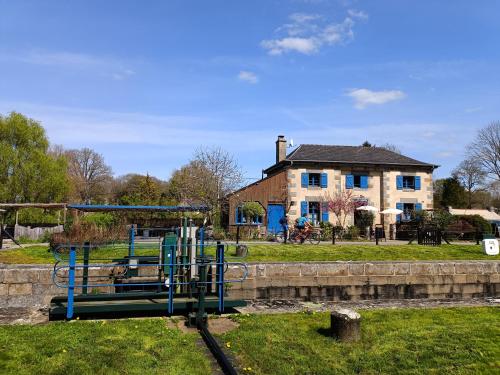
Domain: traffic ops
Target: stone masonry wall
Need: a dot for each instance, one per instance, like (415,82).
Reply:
(357,281)
(27,285)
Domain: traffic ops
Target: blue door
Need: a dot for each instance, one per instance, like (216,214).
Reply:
(274,213)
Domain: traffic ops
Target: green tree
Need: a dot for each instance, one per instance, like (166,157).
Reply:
(453,193)
(135,189)
(29,172)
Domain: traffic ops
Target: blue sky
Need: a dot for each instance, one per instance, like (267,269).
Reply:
(146,83)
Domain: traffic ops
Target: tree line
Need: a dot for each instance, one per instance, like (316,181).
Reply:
(475,182)
(32,170)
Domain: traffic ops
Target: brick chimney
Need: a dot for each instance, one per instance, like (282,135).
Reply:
(280,148)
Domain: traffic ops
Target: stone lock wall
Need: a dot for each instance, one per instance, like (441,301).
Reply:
(28,285)
(357,281)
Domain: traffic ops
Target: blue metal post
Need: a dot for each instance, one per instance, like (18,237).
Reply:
(131,240)
(71,282)
(220,274)
(171,286)
(202,241)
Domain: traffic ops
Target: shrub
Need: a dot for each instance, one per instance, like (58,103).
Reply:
(352,232)
(326,230)
(100,219)
(364,220)
(477,222)
(442,219)
(219,234)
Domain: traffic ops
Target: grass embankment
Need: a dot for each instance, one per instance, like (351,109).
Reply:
(410,341)
(143,346)
(281,253)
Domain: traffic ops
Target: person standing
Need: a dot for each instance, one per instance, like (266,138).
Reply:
(284,226)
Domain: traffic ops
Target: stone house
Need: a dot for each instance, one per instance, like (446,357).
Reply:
(299,182)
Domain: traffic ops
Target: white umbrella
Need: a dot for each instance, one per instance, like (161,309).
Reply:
(392,211)
(367,208)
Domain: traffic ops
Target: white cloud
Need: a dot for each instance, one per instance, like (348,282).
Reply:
(102,65)
(357,14)
(304,17)
(306,46)
(473,109)
(307,33)
(247,76)
(365,97)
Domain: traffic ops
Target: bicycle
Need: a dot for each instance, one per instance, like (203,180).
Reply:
(312,235)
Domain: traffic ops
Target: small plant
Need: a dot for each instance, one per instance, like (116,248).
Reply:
(219,234)
(326,230)
(352,233)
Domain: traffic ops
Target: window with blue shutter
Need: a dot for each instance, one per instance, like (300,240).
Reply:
(399,182)
(238,219)
(363,182)
(324,212)
(324,180)
(304,180)
(303,208)
(399,206)
(349,181)
(417,183)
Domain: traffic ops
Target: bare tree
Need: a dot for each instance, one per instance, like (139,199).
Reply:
(89,174)
(391,147)
(207,179)
(486,149)
(471,175)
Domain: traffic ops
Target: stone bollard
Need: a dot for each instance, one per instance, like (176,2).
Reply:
(345,325)
(241,250)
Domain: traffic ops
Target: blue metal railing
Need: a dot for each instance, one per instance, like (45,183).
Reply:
(171,281)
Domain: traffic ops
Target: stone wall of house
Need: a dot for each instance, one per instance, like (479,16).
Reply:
(382,191)
(26,286)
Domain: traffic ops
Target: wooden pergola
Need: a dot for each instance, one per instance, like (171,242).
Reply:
(48,206)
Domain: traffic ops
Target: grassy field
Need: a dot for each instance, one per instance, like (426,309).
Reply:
(259,252)
(395,341)
(410,341)
(298,253)
(143,346)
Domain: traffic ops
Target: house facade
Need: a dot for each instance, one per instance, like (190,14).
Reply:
(302,181)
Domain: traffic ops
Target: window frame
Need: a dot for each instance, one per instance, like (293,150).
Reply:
(406,185)
(314,180)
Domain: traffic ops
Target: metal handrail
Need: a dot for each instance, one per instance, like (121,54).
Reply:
(167,284)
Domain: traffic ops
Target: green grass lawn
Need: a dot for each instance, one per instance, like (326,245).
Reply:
(298,253)
(405,341)
(394,341)
(143,346)
(284,253)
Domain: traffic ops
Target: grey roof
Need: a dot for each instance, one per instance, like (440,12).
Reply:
(351,154)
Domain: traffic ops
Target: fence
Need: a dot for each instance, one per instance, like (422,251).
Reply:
(36,232)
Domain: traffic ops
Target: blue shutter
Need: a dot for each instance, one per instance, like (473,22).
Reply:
(417,183)
(349,181)
(237,216)
(364,182)
(304,178)
(303,208)
(324,212)
(399,206)
(399,182)
(324,180)
(418,206)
